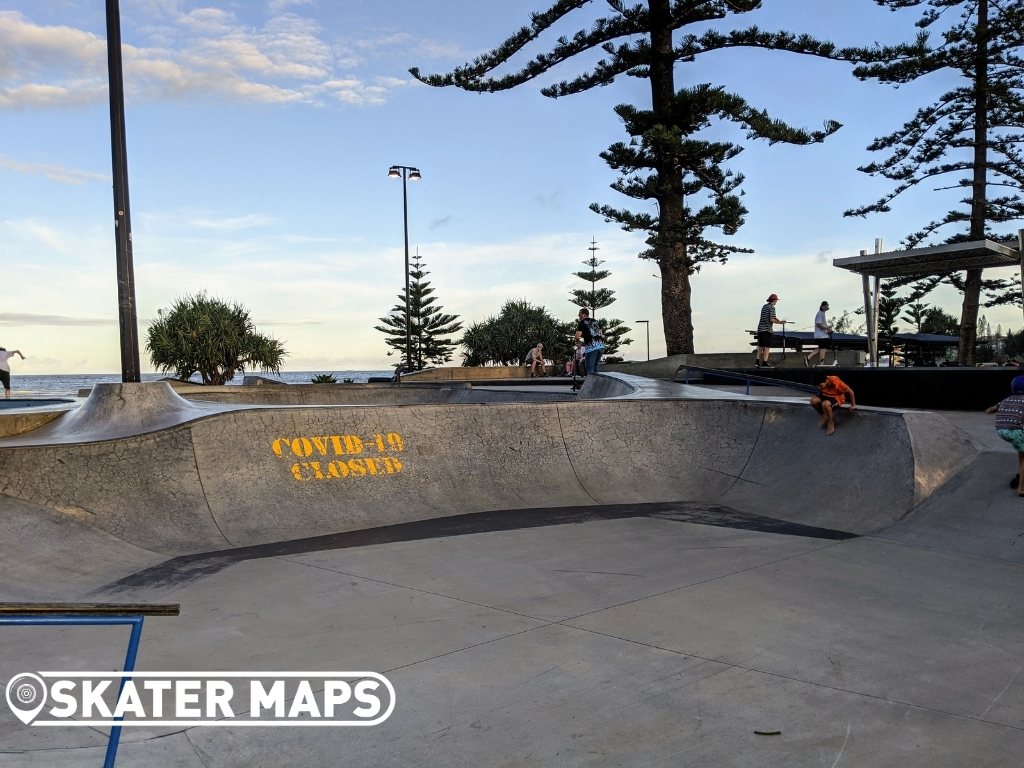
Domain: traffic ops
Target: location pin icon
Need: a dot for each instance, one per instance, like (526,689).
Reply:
(26,696)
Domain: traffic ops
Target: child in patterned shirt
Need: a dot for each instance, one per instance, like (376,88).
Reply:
(1010,423)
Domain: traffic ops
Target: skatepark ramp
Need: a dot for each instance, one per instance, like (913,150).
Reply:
(177,476)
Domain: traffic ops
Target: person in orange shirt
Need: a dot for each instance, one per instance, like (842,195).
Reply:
(832,393)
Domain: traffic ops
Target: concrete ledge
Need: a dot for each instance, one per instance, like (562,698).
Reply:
(473,373)
(664,367)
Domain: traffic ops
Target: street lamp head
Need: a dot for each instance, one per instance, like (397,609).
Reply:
(414,175)
(394,173)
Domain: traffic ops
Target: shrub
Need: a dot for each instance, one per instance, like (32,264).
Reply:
(203,335)
(505,339)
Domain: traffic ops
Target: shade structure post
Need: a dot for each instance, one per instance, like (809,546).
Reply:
(1020,252)
(127,319)
(874,318)
(408,304)
(874,313)
(866,284)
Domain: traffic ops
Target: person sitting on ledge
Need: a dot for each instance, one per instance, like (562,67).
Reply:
(535,359)
(832,392)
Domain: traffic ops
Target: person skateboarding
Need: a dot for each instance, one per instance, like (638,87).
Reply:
(1010,424)
(832,392)
(766,331)
(821,336)
(590,337)
(5,369)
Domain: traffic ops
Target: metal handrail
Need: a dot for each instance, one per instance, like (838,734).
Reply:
(91,614)
(741,377)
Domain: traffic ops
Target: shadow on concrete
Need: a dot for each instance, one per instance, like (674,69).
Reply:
(183,570)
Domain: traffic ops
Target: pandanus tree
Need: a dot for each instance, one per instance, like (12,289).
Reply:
(505,339)
(971,135)
(204,335)
(662,162)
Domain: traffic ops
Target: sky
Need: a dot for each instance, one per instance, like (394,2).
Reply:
(259,138)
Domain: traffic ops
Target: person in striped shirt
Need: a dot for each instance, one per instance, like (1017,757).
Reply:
(1010,422)
(765,332)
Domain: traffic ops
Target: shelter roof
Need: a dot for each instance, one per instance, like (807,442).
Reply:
(856,341)
(928,338)
(936,260)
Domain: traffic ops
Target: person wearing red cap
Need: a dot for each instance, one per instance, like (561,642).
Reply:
(765,332)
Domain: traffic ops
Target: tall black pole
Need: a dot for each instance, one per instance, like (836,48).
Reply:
(408,312)
(126,316)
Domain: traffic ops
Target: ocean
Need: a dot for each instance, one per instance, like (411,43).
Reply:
(67,385)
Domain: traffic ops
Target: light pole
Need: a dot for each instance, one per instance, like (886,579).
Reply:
(648,324)
(405,172)
(126,316)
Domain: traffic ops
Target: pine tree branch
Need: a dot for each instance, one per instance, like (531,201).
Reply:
(691,46)
(473,76)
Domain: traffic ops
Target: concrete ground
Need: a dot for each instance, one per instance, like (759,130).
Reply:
(640,641)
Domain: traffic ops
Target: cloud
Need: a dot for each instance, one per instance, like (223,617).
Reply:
(283,323)
(64,242)
(18,319)
(552,201)
(206,51)
(279,6)
(51,172)
(235,223)
(403,45)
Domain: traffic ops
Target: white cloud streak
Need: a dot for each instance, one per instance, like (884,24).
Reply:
(233,223)
(280,6)
(20,319)
(52,172)
(204,52)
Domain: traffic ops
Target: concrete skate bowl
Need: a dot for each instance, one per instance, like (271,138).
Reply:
(231,476)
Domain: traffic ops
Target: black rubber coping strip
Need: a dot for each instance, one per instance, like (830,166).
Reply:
(179,571)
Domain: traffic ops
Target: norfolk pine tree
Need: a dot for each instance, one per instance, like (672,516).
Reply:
(973,130)
(598,298)
(661,163)
(430,325)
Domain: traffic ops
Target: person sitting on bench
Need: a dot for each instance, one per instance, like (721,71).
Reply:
(535,359)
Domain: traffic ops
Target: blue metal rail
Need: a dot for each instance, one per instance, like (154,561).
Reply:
(34,614)
(742,377)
